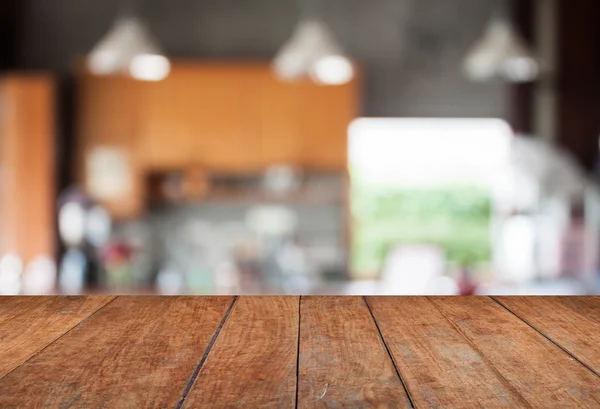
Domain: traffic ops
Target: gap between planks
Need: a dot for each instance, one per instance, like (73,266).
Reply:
(57,338)
(204,357)
(213,340)
(545,336)
(410,400)
(488,361)
(298,351)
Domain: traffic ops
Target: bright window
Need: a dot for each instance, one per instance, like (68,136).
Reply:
(424,182)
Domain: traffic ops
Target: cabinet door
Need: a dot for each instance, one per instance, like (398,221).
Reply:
(221,113)
(108,132)
(306,124)
(281,126)
(325,114)
(165,134)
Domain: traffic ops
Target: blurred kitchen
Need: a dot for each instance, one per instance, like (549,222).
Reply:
(299,146)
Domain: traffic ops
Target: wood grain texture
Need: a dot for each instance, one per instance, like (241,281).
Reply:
(253,362)
(544,375)
(571,322)
(136,352)
(458,352)
(439,366)
(343,362)
(29,324)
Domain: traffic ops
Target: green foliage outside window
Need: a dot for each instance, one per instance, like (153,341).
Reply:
(456,218)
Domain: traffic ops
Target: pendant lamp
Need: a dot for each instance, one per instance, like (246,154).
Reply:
(128,48)
(313,51)
(501,53)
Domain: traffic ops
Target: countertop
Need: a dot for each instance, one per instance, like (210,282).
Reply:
(286,352)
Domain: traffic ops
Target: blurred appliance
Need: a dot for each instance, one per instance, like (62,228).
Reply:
(537,233)
(84,228)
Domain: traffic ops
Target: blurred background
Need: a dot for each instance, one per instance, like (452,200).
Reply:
(299,147)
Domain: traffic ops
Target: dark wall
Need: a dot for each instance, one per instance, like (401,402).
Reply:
(411,49)
(10,21)
(521,99)
(578,85)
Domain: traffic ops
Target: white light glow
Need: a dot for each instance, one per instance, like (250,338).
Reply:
(104,62)
(148,67)
(71,223)
(128,48)
(428,152)
(501,53)
(332,70)
(40,276)
(290,65)
(520,69)
(11,268)
(313,51)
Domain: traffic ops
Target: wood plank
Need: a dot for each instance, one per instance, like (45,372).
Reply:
(534,366)
(29,324)
(253,362)
(571,322)
(135,352)
(343,362)
(439,367)
(469,352)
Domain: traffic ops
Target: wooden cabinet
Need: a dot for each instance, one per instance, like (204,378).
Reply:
(223,117)
(325,113)
(280,122)
(27,185)
(108,128)
(201,115)
(163,134)
(306,124)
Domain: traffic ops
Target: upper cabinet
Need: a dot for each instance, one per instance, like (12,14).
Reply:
(325,113)
(109,164)
(305,124)
(223,117)
(162,131)
(199,115)
(281,133)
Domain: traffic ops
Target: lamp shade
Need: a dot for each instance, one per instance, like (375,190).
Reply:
(129,48)
(501,53)
(312,50)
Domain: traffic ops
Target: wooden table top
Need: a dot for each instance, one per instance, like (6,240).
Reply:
(286,352)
